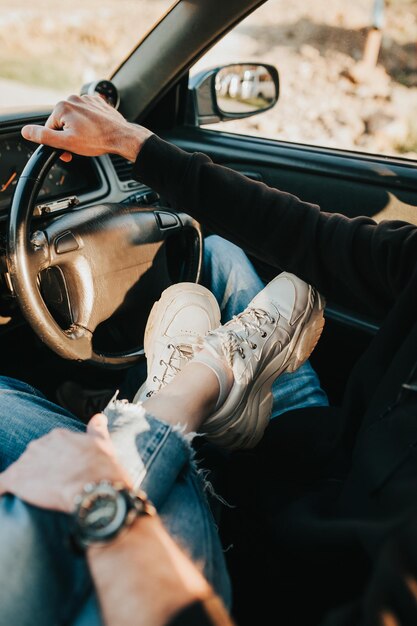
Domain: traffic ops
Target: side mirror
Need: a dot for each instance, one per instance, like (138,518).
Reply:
(232,92)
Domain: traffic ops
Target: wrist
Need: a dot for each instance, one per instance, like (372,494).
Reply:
(121,546)
(150,560)
(131,141)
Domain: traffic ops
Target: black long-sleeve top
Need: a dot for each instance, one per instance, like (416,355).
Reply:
(357,263)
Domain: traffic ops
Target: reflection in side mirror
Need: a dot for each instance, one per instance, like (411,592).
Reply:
(245,89)
(232,92)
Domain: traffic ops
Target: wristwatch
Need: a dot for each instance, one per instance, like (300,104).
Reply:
(104,509)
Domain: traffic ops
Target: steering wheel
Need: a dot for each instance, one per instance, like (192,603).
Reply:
(100,257)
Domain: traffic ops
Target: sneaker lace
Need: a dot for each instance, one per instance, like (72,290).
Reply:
(179,355)
(249,322)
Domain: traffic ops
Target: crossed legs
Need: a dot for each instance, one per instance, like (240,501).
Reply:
(32,539)
(229,275)
(192,395)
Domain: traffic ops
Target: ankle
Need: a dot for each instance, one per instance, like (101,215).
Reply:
(220,369)
(188,400)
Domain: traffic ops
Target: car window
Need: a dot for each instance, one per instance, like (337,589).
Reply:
(348,73)
(49,49)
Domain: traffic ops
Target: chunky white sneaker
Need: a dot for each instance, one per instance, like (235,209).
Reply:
(184,314)
(276,333)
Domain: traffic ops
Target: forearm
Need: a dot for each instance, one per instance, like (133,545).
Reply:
(143,577)
(355,262)
(352,261)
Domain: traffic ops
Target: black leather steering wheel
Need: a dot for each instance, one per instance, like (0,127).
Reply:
(101,252)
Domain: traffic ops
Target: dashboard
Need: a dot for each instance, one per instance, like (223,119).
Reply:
(63,179)
(83,181)
(80,176)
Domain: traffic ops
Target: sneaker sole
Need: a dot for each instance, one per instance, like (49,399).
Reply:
(258,403)
(159,309)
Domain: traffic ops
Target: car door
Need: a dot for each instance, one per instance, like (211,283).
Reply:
(340,136)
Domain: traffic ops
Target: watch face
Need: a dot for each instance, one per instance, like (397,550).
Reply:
(101,513)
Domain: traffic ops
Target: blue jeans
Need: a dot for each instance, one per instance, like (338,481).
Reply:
(228,273)
(41,580)
(231,277)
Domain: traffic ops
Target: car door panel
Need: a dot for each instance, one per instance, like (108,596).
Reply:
(342,182)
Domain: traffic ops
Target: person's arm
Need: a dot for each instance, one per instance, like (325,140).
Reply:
(141,576)
(354,261)
(143,573)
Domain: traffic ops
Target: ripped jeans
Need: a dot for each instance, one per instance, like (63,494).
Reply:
(41,580)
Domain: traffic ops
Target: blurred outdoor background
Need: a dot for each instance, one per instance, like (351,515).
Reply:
(348,69)
(49,48)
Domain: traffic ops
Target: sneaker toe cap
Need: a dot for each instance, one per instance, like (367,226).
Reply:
(286,294)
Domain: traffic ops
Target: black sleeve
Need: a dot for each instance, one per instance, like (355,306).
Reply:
(355,262)
(209,612)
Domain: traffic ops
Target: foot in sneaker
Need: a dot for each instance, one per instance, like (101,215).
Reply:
(184,314)
(276,333)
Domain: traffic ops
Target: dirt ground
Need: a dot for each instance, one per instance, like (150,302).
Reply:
(318,48)
(59,45)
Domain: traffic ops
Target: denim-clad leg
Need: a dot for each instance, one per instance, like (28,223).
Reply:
(229,274)
(231,277)
(41,580)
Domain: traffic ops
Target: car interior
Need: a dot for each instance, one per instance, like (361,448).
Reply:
(85,250)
